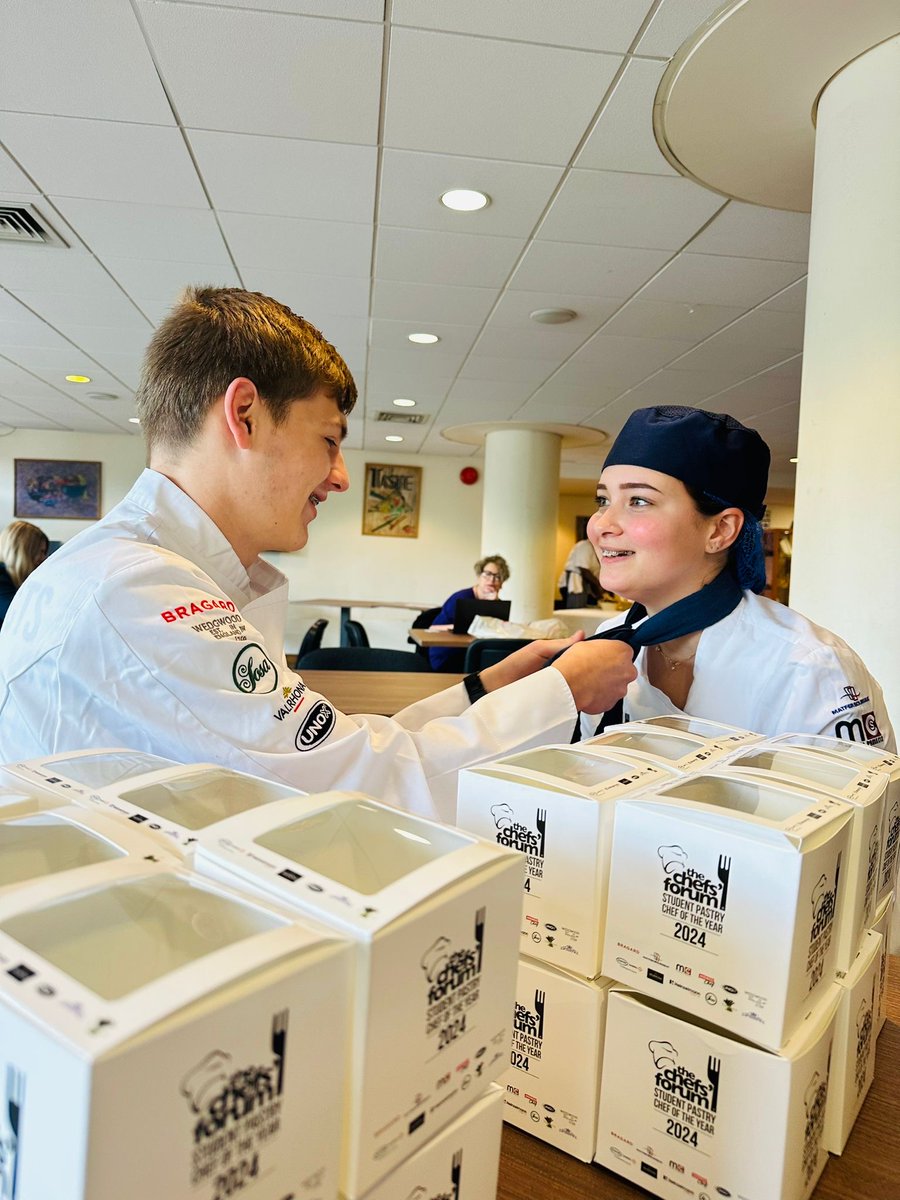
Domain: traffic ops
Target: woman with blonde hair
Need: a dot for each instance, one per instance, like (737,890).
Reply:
(22,548)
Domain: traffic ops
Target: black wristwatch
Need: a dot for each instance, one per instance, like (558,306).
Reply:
(475,689)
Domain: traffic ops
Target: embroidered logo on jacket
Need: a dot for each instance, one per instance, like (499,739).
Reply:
(253,671)
(316,725)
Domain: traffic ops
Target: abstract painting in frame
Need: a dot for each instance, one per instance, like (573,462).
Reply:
(391,500)
(60,488)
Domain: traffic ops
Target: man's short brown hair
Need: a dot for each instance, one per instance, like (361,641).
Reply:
(215,335)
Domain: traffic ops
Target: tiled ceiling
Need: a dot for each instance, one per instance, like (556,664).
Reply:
(300,147)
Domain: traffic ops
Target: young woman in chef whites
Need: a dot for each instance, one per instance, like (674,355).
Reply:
(677,531)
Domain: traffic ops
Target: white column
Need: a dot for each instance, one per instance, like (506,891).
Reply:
(845,572)
(521,499)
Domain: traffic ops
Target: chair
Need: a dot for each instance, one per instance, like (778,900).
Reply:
(312,639)
(360,658)
(423,621)
(355,635)
(484,652)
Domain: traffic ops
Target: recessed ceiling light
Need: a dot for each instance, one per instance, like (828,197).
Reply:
(401,402)
(78,379)
(793,460)
(424,339)
(553,316)
(465,200)
(134,420)
(393,437)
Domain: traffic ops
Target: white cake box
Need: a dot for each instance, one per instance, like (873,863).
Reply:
(859,788)
(677,748)
(553,1080)
(723,896)
(853,1054)
(459,1163)
(68,838)
(882,926)
(685,1109)
(555,805)
(880,762)
(434,913)
(171,802)
(158,1037)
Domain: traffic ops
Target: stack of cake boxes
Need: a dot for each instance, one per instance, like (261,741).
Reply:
(556,805)
(383,945)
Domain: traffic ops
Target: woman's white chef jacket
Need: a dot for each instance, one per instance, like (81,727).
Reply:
(146,631)
(766,668)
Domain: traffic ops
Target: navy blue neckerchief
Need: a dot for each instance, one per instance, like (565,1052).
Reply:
(699,610)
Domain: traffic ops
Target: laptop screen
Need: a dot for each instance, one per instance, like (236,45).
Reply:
(467,609)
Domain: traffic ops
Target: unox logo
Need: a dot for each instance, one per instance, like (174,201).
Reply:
(454,979)
(686,882)
(12,1119)
(512,833)
(219,1096)
(254,671)
(315,726)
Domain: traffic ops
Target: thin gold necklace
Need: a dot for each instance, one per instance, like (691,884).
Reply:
(674,663)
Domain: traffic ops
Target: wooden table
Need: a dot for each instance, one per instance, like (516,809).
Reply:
(346,605)
(381,692)
(869,1168)
(441,637)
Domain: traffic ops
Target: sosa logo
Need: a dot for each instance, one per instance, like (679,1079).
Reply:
(317,724)
(253,671)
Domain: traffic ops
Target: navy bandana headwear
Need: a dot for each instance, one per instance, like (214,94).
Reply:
(712,453)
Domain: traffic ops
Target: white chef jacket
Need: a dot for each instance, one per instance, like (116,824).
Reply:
(146,631)
(767,668)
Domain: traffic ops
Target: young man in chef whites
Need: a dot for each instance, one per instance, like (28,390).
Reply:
(161,628)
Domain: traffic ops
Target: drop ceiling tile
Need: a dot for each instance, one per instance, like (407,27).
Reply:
(287,243)
(349,336)
(429,256)
(98,339)
(397,301)
(145,230)
(532,371)
(616,208)
(466,413)
(104,160)
(329,181)
(413,365)
(12,179)
(393,335)
(21,416)
(690,323)
(77,74)
(679,387)
(759,393)
(124,368)
(608,271)
(564,23)
(442,447)
(104,306)
(613,351)
(764,326)
(477,393)
(412,185)
(31,332)
(791,299)
(286,65)
(386,382)
(349,10)
(441,86)
(18,384)
(581,398)
(717,279)
(622,139)
(673,22)
(160,279)
(721,352)
(749,231)
(51,268)
(577,408)
(553,343)
(316,297)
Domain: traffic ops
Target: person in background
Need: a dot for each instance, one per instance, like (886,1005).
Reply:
(490,575)
(22,548)
(677,531)
(578,583)
(160,628)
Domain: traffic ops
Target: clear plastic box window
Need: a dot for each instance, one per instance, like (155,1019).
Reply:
(810,768)
(101,770)
(198,800)
(663,746)
(44,844)
(585,770)
(745,796)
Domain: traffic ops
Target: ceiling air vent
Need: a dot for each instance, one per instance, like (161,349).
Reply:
(23,223)
(399,418)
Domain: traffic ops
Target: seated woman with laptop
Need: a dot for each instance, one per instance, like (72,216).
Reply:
(463,606)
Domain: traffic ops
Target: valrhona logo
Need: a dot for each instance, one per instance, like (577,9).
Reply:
(814,1099)
(253,671)
(219,1095)
(528,1032)
(688,1101)
(453,978)
(12,1120)
(531,842)
(697,902)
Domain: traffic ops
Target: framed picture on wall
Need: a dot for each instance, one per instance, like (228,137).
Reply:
(391,500)
(60,488)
